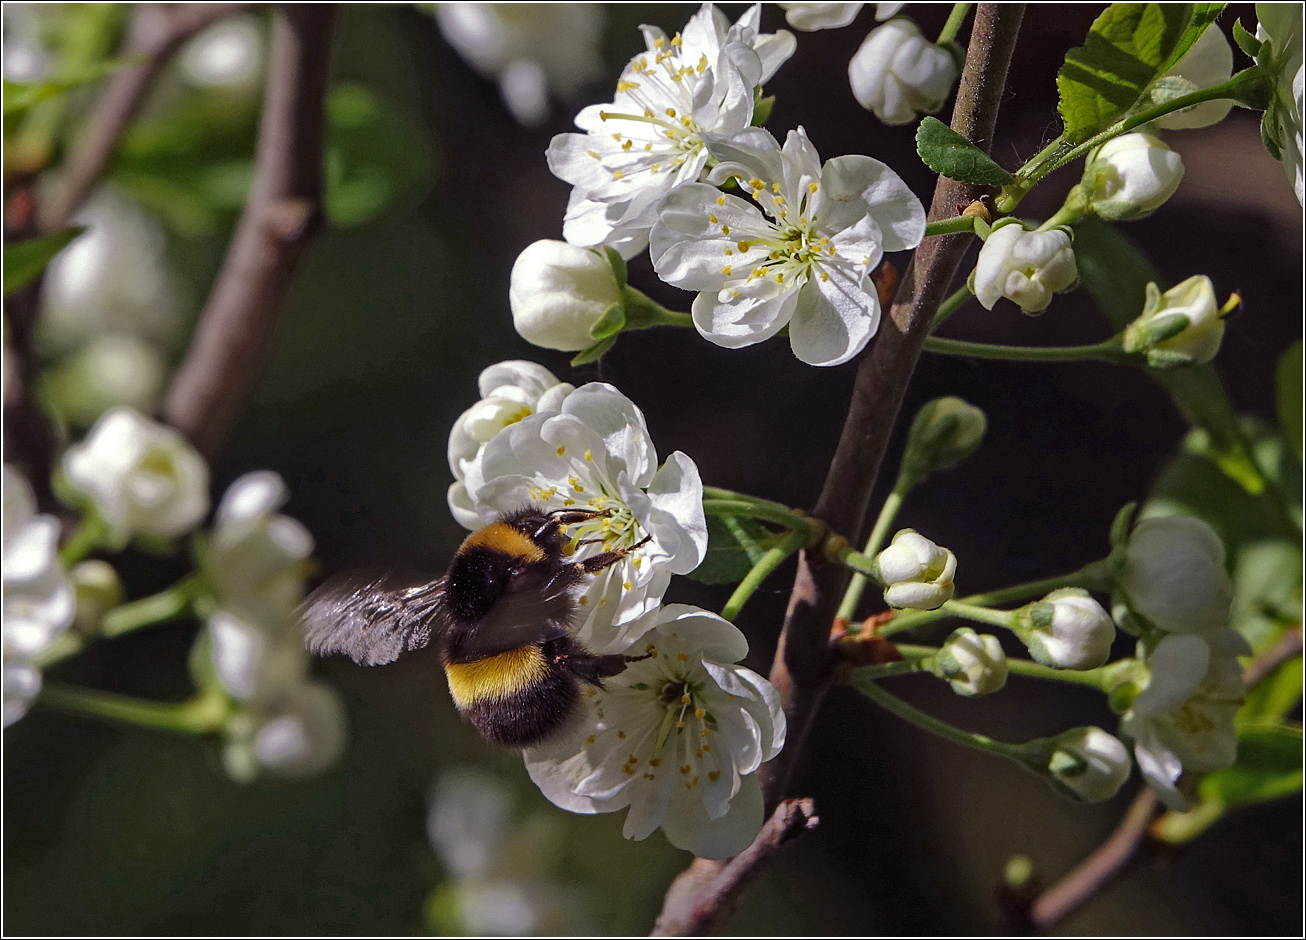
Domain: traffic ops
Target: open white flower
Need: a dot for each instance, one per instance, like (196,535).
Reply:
(510,391)
(142,478)
(39,602)
(1183,717)
(1025,267)
(1174,574)
(805,264)
(1208,63)
(898,73)
(255,556)
(596,453)
(649,139)
(676,737)
(529,48)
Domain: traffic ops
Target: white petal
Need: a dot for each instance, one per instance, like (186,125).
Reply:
(1178,665)
(750,313)
(676,494)
(835,318)
(690,829)
(856,186)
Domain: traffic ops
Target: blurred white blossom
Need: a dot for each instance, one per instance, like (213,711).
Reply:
(1174,575)
(229,54)
(595,453)
(559,292)
(1025,267)
(898,73)
(1207,64)
(107,371)
(299,733)
(809,17)
(510,391)
(529,48)
(25,58)
(142,477)
(1089,765)
(916,572)
(676,737)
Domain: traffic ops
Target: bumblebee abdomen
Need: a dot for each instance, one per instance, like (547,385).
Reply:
(517,698)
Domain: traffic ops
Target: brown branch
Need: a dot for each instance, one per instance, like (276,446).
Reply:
(1096,871)
(703,895)
(803,668)
(155,33)
(1284,649)
(282,212)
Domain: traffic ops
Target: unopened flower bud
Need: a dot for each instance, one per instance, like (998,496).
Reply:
(97,588)
(1088,765)
(898,73)
(1183,326)
(915,572)
(944,432)
(1067,630)
(1025,267)
(1173,574)
(972,663)
(1131,176)
(559,293)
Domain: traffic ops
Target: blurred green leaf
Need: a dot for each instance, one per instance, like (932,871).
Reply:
(1288,395)
(1128,48)
(948,153)
(21,98)
(24,261)
(1274,696)
(1267,590)
(733,545)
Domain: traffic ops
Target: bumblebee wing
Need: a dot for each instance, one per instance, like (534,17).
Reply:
(536,606)
(371,618)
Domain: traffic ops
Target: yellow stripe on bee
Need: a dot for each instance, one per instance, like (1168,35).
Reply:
(503,538)
(495,677)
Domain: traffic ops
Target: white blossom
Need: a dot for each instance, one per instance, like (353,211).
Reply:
(39,602)
(1131,176)
(253,662)
(299,733)
(255,557)
(97,589)
(229,54)
(1174,574)
(676,737)
(1208,63)
(1025,267)
(107,371)
(972,663)
(595,453)
(805,264)
(559,292)
(468,821)
(1184,717)
(510,391)
(529,48)
(916,572)
(1089,765)
(650,139)
(810,17)
(898,73)
(1187,317)
(142,477)
(1067,629)
(1281,25)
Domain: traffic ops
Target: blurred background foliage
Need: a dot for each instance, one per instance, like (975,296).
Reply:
(433,189)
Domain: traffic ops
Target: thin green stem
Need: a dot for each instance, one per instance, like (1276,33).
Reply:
(1091,577)
(904,667)
(995,618)
(951,305)
(204,713)
(86,538)
(168,604)
(1106,351)
(857,584)
(773,558)
(1095,678)
(935,726)
(719,502)
(953,25)
(961,223)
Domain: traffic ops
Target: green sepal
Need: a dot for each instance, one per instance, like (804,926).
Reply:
(24,261)
(618,265)
(591,353)
(1246,41)
(762,110)
(957,51)
(948,153)
(1270,136)
(1121,525)
(611,323)
(1288,395)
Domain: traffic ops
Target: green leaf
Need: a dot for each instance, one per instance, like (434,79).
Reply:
(731,545)
(24,261)
(611,323)
(591,353)
(1288,395)
(948,153)
(20,98)
(1128,48)
(762,110)
(1269,765)
(1274,696)
(1267,590)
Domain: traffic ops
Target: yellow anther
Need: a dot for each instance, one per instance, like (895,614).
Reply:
(629,771)
(812,187)
(825,275)
(648,146)
(775,187)
(627,145)
(700,713)
(618,174)
(626,85)
(569,502)
(727,270)
(711,218)
(562,450)
(686,770)
(594,154)
(744,245)
(590,740)
(584,600)
(655,762)
(721,200)
(684,658)
(779,277)
(589,454)
(713,775)
(671,112)
(685,698)
(659,42)
(676,41)
(621,735)
(730,251)
(603,115)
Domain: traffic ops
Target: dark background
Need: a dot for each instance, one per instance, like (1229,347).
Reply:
(111,830)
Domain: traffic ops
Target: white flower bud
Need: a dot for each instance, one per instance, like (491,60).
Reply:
(1089,765)
(972,663)
(142,477)
(1180,327)
(97,588)
(559,292)
(898,73)
(1025,267)
(110,370)
(1131,176)
(305,735)
(915,572)
(1174,575)
(810,17)
(1067,630)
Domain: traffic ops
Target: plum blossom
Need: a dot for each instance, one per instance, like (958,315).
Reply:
(1025,267)
(510,391)
(1131,176)
(897,73)
(805,264)
(677,737)
(916,572)
(595,453)
(650,139)
(1187,319)
(972,663)
(296,733)
(1174,576)
(1067,629)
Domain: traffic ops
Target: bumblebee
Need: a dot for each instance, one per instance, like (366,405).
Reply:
(502,615)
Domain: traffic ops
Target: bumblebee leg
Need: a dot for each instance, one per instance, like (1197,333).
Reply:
(596,563)
(562,517)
